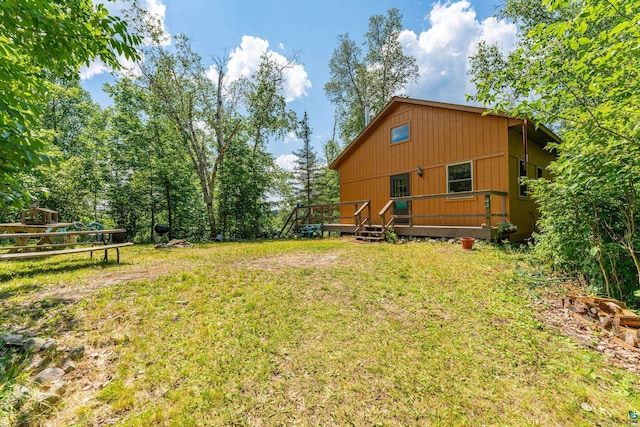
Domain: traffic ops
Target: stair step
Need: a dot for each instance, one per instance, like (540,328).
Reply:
(369,238)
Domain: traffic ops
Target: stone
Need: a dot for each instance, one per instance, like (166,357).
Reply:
(586,407)
(58,387)
(21,393)
(36,363)
(68,366)
(33,344)
(49,344)
(49,375)
(77,353)
(48,398)
(12,339)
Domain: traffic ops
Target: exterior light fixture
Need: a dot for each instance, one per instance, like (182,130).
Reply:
(419,171)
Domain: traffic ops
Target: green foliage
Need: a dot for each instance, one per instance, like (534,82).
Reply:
(244,182)
(577,66)
(358,79)
(151,180)
(307,168)
(390,235)
(329,180)
(39,38)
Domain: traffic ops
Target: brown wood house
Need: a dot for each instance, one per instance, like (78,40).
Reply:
(443,170)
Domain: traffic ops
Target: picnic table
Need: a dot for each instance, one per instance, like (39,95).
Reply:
(24,229)
(43,236)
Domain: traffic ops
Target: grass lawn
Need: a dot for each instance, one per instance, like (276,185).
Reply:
(323,332)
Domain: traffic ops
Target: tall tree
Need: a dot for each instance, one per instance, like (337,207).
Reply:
(39,38)
(329,180)
(359,79)
(247,172)
(151,179)
(197,108)
(307,168)
(577,66)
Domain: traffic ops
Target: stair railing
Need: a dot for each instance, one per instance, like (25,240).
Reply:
(383,216)
(358,217)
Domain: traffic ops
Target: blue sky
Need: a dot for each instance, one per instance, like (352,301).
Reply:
(440,34)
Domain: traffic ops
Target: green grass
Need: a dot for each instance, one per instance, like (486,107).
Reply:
(323,332)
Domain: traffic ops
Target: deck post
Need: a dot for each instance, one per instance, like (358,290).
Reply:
(504,208)
(487,205)
(410,212)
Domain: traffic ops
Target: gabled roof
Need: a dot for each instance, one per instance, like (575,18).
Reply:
(396,100)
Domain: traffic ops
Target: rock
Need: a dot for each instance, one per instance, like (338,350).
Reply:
(33,344)
(49,376)
(68,366)
(49,344)
(21,393)
(433,241)
(585,406)
(58,387)
(12,339)
(36,363)
(48,398)
(452,241)
(77,353)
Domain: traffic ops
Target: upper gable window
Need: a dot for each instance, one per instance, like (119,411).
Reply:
(400,133)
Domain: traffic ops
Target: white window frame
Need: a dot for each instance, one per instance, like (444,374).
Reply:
(470,162)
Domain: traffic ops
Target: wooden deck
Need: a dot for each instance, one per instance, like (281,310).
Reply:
(356,218)
(483,233)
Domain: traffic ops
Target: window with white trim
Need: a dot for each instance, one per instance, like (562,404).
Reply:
(460,177)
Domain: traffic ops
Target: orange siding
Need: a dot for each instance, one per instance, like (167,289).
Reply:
(524,212)
(437,137)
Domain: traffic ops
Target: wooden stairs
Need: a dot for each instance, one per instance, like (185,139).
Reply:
(370,233)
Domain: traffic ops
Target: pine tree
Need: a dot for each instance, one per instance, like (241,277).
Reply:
(306,171)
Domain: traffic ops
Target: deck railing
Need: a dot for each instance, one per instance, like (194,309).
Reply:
(387,219)
(329,213)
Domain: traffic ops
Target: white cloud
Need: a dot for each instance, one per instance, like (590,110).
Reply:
(443,51)
(245,60)
(291,137)
(287,162)
(156,10)
(93,69)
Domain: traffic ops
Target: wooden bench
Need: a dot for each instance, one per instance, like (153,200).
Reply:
(45,246)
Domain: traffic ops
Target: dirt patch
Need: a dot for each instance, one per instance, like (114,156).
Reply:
(293,260)
(560,318)
(79,290)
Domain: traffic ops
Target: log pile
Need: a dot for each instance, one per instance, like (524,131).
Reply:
(609,315)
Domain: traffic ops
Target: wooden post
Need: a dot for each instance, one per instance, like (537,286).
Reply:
(369,212)
(504,208)
(410,212)
(487,205)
